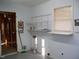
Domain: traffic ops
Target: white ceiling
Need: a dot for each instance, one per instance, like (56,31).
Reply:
(30,2)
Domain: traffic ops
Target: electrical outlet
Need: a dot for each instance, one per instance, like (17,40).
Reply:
(62,54)
(48,54)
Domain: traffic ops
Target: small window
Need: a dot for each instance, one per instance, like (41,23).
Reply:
(63,18)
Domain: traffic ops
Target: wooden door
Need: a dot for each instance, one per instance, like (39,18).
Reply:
(8,32)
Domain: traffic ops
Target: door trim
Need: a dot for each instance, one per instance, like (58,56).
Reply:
(5,12)
(0,43)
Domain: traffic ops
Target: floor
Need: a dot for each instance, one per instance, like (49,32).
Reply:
(7,50)
(26,56)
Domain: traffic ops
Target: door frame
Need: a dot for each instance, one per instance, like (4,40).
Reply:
(0,44)
(16,38)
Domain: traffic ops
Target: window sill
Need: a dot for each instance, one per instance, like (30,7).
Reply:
(61,33)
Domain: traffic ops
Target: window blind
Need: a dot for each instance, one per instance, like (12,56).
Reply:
(63,19)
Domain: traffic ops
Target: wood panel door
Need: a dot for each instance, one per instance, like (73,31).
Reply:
(8,32)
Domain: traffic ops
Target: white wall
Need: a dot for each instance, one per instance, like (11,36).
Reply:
(23,13)
(76,9)
(57,44)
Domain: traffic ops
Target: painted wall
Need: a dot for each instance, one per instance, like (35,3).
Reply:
(76,9)
(22,13)
(58,44)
